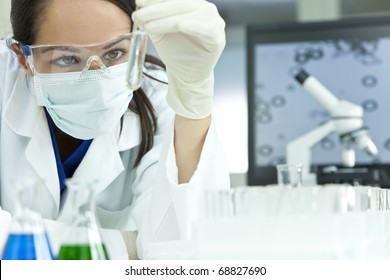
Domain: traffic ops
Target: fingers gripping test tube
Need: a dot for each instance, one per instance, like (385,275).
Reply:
(137,54)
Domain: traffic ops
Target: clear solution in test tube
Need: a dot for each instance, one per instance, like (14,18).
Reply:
(137,54)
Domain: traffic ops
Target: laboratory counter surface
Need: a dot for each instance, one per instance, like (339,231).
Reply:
(332,222)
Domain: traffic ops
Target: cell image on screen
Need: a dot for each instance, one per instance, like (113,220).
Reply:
(352,61)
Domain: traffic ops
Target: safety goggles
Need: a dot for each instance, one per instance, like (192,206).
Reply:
(63,58)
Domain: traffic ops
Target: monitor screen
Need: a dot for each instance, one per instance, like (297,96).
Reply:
(349,57)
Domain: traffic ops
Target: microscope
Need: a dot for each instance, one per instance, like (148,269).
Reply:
(346,120)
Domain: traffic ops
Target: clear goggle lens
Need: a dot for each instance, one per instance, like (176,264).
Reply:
(46,59)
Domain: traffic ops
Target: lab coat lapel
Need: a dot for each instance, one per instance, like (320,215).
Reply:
(41,157)
(26,119)
(102,162)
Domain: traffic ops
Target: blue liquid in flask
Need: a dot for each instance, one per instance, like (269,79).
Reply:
(27,246)
(27,238)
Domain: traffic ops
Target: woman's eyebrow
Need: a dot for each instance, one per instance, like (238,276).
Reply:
(115,42)
(61,48)
(77,50)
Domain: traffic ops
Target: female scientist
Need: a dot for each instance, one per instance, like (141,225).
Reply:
(66,111)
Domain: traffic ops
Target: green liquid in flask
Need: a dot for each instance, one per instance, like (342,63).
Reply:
(83,252)
(82,240)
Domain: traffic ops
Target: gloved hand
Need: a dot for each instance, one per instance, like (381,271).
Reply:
(189,36)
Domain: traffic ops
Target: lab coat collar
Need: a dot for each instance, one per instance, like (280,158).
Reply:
(130,136)
(21,113)
(102,160)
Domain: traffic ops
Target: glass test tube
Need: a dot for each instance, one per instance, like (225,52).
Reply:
(137,54)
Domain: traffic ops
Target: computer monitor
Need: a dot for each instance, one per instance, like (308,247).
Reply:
(351,57)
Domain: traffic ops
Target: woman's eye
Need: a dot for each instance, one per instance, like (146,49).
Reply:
(114,54)
(65,61)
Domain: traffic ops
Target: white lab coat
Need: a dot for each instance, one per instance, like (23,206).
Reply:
(147,199)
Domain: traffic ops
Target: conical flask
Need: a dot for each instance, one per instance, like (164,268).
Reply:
(27,239)
(82,240)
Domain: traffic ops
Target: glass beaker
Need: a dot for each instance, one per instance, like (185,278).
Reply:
(27,239)
(82,240)
(289,175)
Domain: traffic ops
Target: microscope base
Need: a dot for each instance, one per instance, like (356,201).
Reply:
(374,175)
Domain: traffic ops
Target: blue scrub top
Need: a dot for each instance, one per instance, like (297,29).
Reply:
(67,168)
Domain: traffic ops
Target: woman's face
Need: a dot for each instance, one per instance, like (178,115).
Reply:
(78,22)
(81,22)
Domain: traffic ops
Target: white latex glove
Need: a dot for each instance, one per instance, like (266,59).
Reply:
(189,36)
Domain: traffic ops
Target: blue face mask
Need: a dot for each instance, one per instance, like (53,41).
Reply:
(88,106)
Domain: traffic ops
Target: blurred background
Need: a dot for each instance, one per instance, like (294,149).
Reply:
(230,108)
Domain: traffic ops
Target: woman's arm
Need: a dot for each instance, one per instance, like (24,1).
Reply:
(188,141)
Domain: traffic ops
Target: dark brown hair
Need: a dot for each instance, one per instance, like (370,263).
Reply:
(26,20)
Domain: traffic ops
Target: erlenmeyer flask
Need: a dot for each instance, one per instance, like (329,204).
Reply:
(27,239)
(82,241)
